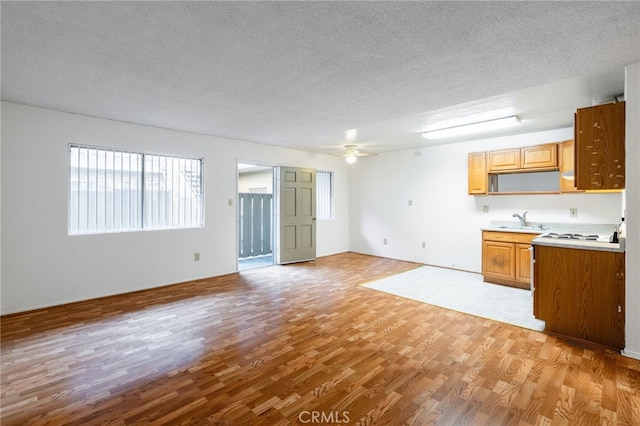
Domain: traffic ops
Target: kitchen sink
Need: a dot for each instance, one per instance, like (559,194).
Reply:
(528,228)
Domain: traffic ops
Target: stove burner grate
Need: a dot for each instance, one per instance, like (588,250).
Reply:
(569,236)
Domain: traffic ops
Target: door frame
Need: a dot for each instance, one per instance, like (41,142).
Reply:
(274,191)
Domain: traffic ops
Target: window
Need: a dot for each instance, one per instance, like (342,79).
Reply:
(115,191)
(325,209)
(172,192)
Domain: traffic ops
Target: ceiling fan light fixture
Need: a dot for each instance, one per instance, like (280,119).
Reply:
(351,158)
(465,129)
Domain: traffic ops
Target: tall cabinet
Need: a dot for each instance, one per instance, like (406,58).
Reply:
(599,147)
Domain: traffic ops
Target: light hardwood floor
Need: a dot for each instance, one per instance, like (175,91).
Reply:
(299,344)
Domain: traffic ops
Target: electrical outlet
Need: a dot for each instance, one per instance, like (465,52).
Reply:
(573,212)
(485,209)
(230,202)
(196,257)
(424,244)
(384,241)
(410,202)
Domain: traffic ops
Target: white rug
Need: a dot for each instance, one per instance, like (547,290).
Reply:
(464,292)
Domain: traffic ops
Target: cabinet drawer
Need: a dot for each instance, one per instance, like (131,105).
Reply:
(508,237)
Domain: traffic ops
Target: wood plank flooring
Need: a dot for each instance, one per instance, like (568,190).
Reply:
(299,344)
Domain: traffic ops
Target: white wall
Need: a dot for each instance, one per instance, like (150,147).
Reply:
(632,194)
(261,179)
(1,209)
(442,213)
(43,266)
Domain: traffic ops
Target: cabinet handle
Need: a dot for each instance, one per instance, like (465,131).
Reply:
(619,308)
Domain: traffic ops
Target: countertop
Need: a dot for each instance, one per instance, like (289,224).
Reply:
(603,231)
(601,244)
(527,230)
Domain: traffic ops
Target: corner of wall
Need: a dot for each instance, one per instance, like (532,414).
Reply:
(632,195)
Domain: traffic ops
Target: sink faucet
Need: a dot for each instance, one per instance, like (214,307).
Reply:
(522,219)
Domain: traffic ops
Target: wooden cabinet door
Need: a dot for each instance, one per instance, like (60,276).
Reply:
(506,159)
(580,294)
(523,265)
(506,258)
(605,315)
(600,151)
(477,173)
(558,277)
(540,156)
(498,259)
(566,163)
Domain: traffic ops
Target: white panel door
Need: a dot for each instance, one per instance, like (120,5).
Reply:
(296,215)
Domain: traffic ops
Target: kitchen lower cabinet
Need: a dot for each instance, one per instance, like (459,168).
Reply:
(506,258)
(523,265)
(580,293)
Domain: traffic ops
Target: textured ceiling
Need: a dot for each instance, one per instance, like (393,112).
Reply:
(300,74)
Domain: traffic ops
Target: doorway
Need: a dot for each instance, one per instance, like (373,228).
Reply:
(255,216)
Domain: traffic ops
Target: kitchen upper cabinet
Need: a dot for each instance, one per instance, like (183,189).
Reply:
(528,170)
(566,151)
(477,173)
(599,148)
(581,293)
(530,157)
(505,159)
(539,156)
(506,258)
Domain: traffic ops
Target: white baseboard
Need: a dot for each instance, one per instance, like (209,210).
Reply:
(630,354)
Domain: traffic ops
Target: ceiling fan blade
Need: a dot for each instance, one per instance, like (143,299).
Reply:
(352,150)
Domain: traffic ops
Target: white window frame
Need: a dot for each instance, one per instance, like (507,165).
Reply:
(113,190)
(325,197)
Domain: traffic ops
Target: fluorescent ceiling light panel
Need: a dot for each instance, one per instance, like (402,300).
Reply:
(482,126)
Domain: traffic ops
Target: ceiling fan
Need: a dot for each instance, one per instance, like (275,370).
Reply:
(351,153)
